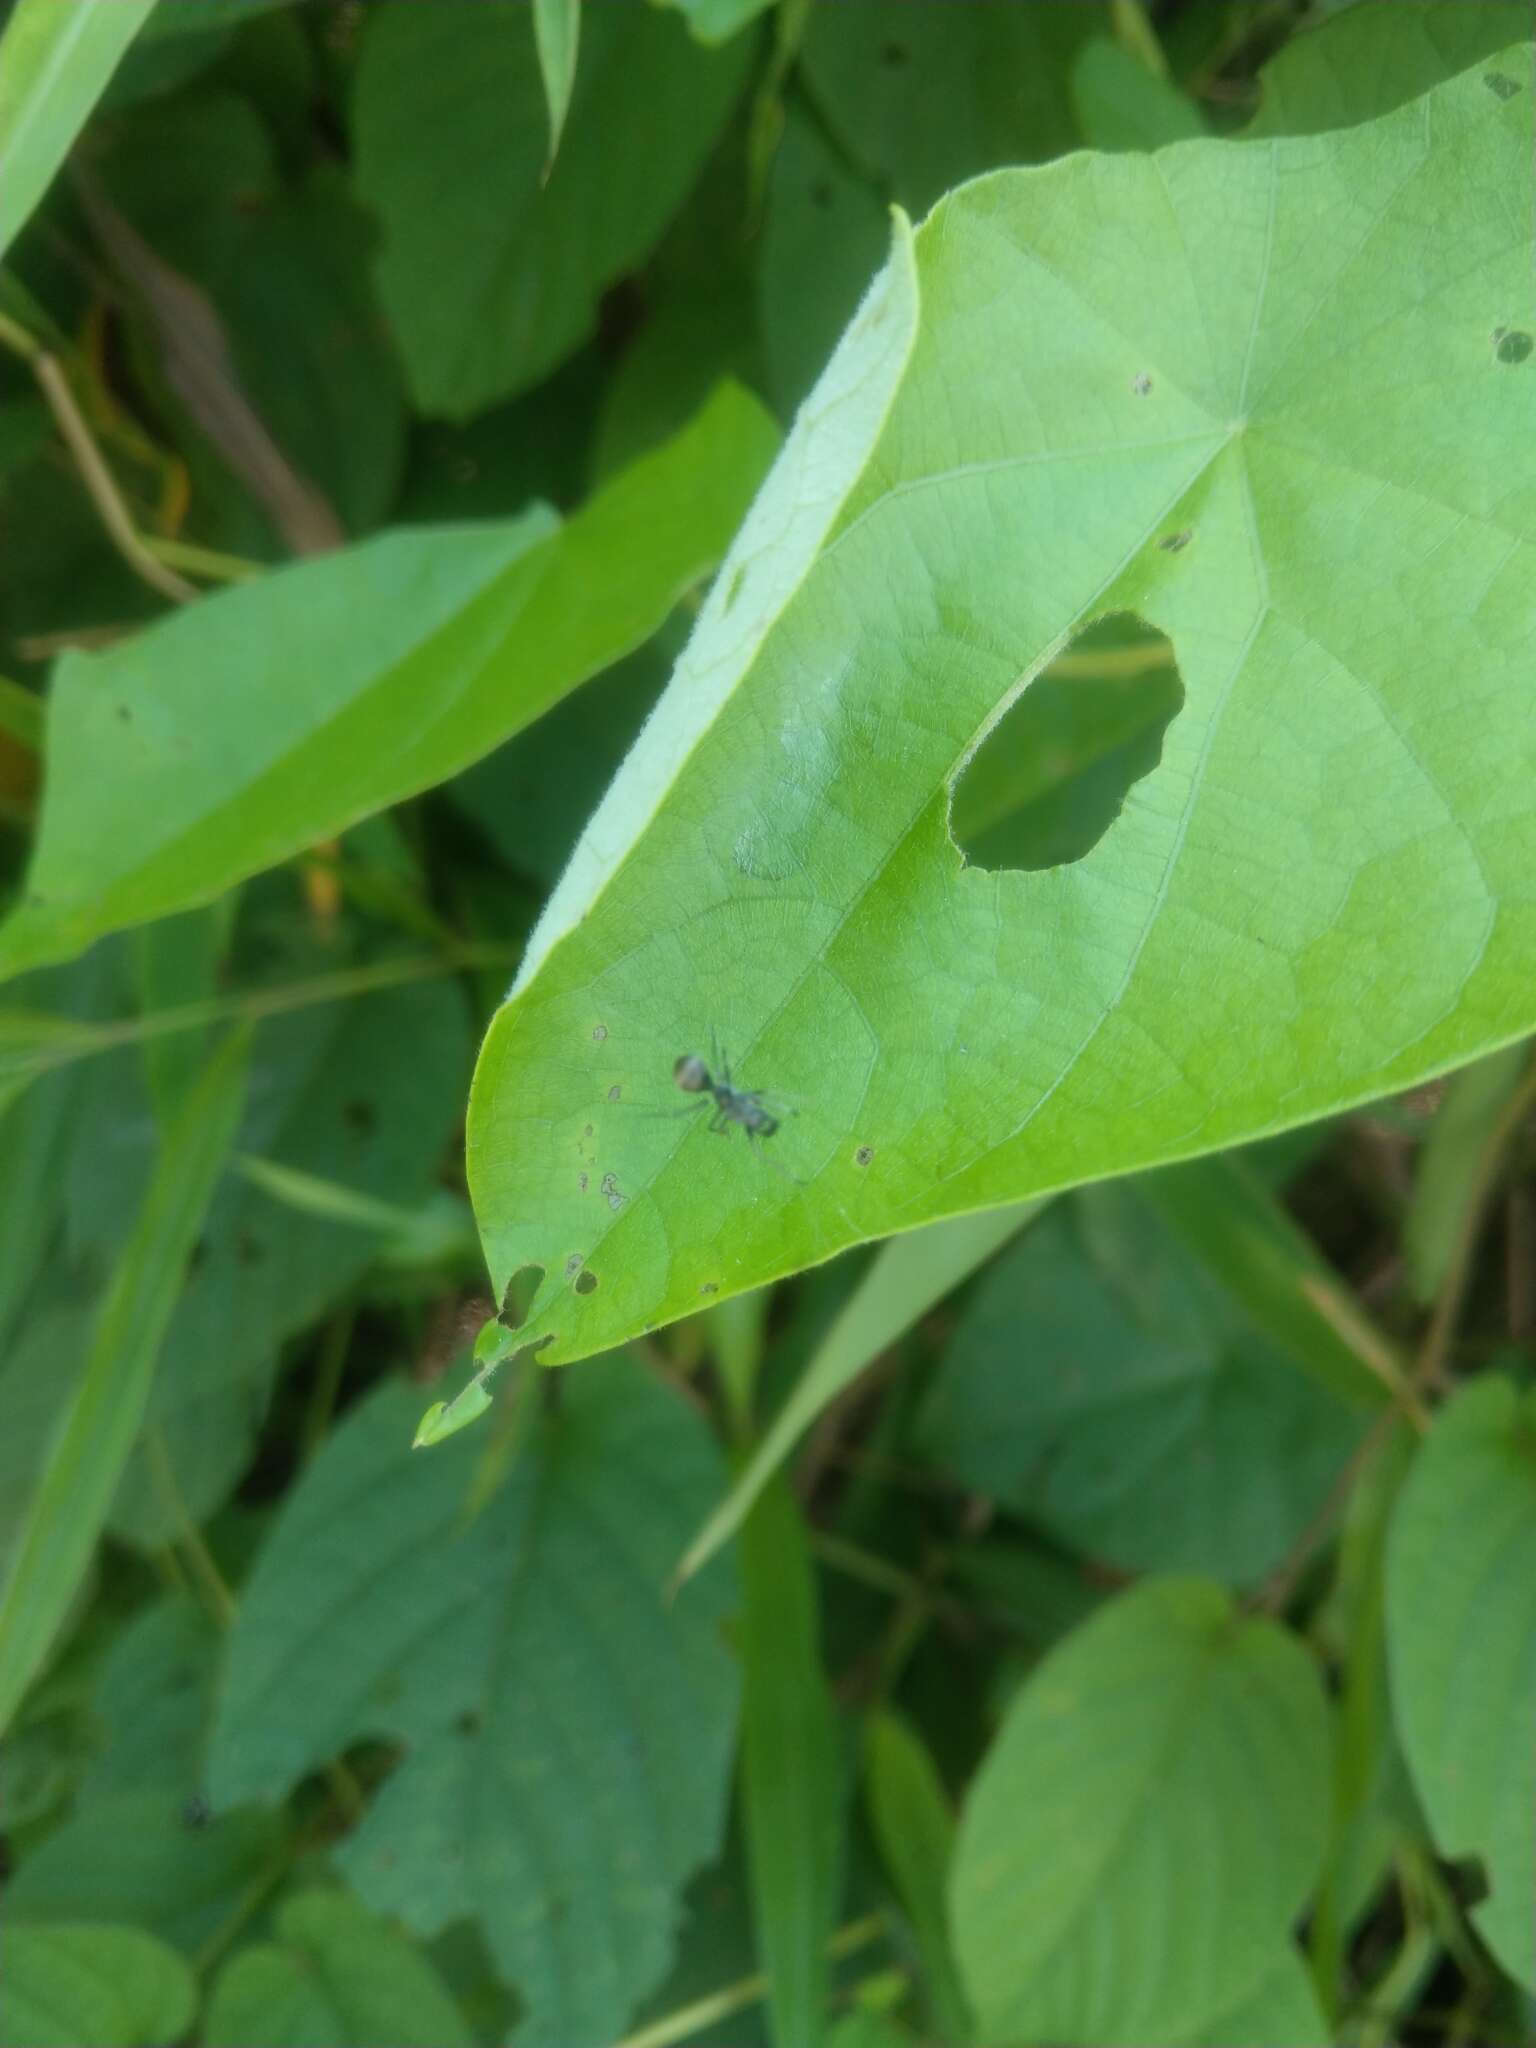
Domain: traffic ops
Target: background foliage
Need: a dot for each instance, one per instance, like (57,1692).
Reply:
(1041,1552)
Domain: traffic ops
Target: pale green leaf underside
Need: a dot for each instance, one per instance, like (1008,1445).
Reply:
(1252,392)
(1461,1633)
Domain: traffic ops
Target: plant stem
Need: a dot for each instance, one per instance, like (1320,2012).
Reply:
(719,2005)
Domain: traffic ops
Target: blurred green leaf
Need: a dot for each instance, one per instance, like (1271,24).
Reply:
(335,1977)
(716,21)
(154,1700)
(557,36)
(449,127)
(245,728)
(1121,104)
(910,1814)
(55,59)
(925,97)
(1165,1735)
(86,1458)
(906,1278)
(1375,56)
(526,1661)
(1226,1217)
(1461,1637)
(361,1096)
(1298,910)
(825,236)
(793,1784)
(1280,2011)
(150,1860)
(1451,1166)
(114,1987)
(1103,1385)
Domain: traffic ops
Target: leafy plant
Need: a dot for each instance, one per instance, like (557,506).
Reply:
(919,619)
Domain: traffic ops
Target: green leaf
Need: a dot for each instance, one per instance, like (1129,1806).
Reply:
(1121,104)
(904,1280)
(155,1701)
(74,1489)
(112,1986)
(336,1977)
(145,1858)
(1447,1184)
(526,1661)
(792,1777)
(55,59)
(1166,1735)
(557,35)
(245,728)
(1319,894)
(1280,2011)
(1102,1384)
(1461,1637)
(360,1096)
(924,97)
(910,1815)
(825,235)
(716,21)
(1375,56)
(449,127)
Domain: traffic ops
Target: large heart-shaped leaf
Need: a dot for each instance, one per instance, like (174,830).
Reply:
(1274,399)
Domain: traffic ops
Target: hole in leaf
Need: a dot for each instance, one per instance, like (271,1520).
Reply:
(521,1289)
(1048,781)
(864,1155)
(1500,84)
(1512,344)
(586,1283)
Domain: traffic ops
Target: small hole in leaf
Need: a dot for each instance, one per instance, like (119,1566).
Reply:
(1512,344)
(710,1287)
(1142,385)
(864,1155)
(581,1183)
(586,1283)
(1175,543)
(521,1289)
(573,1264)
(615,1092)
(1500,84)
(1050,778)
(599,1032)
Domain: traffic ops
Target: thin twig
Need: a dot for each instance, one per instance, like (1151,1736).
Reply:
(101,485)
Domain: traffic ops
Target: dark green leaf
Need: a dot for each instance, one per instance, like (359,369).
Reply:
(491,277)
(568,1731)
